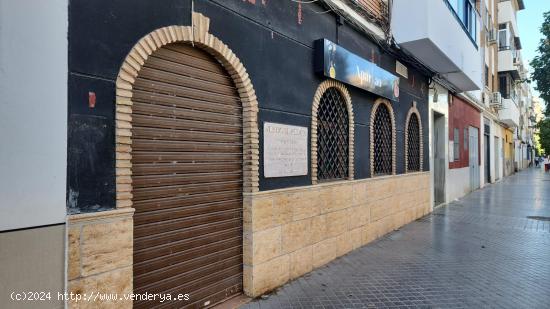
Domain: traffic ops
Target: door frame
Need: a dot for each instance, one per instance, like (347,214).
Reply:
(497,157)
(473,157)
(487,158)
(198,35)
(439,124)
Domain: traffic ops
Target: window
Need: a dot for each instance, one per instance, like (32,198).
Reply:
(503,39)
(506,39)
(465,12)
(382,142)
(456,144)
(503,86)
(465,138)
(486,75)
(413,144)
(332,136)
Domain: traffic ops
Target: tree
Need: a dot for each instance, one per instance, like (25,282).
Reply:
(541,63)
(544,134)
(538,148)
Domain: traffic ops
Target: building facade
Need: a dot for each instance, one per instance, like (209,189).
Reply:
(512,84)
(215,149)
(222,148)
(490,153)
(33,155)
(278,219)
(446,39)
(464,158)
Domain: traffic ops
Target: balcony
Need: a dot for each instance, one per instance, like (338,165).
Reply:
(434,33)
(509,61)
(509,56)
(507,10)
(509,114)
(376,10)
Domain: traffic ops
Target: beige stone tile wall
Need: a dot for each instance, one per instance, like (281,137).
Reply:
(100,250)
(290,232)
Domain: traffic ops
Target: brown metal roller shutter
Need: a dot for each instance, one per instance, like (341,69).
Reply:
(187,179)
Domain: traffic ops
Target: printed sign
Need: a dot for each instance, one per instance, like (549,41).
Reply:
(338,63)
(285,150)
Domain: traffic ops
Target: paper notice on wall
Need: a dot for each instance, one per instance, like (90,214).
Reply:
(285,150)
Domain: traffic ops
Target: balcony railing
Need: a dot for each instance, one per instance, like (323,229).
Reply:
(374,10)
(521,5)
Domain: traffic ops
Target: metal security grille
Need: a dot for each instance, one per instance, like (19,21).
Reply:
(332,136)
(413,144)
(382,141)
(187,152)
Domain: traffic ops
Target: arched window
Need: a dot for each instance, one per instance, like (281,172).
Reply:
(413,141)
(332,133)
(382,139)
(413,145)
(333,137)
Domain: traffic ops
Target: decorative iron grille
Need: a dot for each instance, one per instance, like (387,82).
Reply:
(382,143)
(332,136)
(413,144)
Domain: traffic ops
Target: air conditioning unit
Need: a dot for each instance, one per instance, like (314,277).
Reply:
(492,36)
(496,100)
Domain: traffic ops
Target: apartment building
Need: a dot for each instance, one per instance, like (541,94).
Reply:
(212,148)
(483,118)
(447,40)
(489,97)
(512,86)
(222,148)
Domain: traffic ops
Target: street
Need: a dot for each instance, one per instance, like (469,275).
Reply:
(490,249)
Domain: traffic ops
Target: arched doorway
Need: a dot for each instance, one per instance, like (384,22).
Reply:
(187,177)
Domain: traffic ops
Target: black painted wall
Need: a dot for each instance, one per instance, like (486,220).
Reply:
(271,39)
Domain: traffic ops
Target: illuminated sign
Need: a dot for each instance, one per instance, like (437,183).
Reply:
(338,63)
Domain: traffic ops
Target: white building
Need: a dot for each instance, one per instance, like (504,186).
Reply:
(445,38)
(33,156)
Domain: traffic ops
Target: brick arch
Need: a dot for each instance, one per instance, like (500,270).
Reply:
(324,86)
(377,104)
(198,35)
(413,110)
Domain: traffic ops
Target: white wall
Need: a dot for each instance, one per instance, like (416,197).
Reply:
(33,112)
(506,61)
(441,107)
(509,113)
(429,30)
(506,13)
(492,151)
(459,184)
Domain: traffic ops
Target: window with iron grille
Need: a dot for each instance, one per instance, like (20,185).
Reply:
(466,137)
(332,137)
(413,144)
(383,141)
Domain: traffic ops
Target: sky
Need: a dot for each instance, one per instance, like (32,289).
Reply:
(529,21)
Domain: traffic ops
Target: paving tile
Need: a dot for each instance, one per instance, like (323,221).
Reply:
(477,252)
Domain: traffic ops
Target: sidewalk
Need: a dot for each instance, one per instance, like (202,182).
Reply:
(479,252)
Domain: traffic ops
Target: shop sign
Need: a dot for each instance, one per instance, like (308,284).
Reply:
(338,63)
(285,150)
